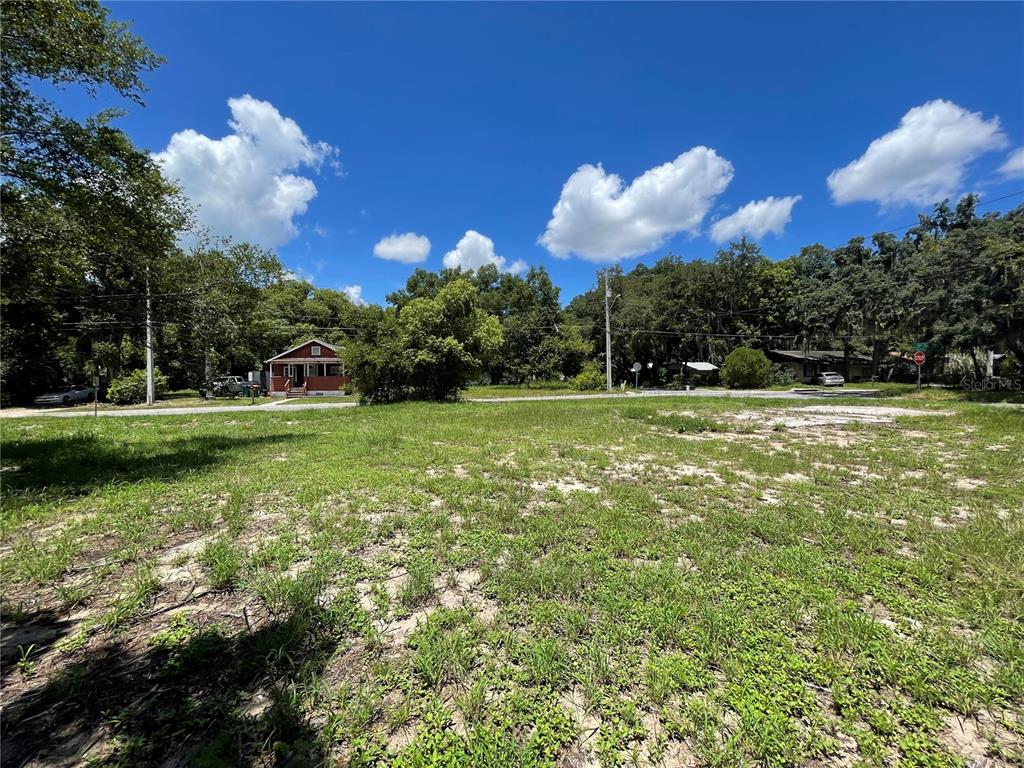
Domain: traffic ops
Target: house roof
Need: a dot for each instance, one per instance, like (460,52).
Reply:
(693,365)
(300,346)
(704,367)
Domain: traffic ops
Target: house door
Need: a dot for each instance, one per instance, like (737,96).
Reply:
(298,375)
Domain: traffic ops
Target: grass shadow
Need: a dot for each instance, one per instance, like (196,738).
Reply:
(30,634)
(193,696)
(79,463)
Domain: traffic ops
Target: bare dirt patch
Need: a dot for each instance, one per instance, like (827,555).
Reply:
(566,485)
(813,416)
(645,466)
(588,722)
(964,737)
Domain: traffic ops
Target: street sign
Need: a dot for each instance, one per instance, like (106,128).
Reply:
(636,367)
(920,346)
(919,358)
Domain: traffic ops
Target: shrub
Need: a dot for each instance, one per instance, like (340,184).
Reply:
(746,368)
(783,375)
(131,389)
(590,378)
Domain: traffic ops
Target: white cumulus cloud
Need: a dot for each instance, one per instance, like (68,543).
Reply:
(475,250)
(244,184)
(601,219)
(408,248)
(920,162)
(1014,165)
(355,294)
(757,218)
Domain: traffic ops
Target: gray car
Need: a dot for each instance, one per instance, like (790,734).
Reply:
(69,395)
(829,379)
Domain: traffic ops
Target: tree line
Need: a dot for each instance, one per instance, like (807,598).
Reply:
(91,231)
(953,280)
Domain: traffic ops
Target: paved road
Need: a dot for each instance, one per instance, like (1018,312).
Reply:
(278,405)
(762,393)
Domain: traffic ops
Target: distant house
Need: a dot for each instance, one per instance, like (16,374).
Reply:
(700,370)
(805,365)
(311,368)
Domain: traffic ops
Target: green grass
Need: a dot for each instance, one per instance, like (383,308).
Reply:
(658,582)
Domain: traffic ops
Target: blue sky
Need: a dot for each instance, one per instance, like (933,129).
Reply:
(364,121)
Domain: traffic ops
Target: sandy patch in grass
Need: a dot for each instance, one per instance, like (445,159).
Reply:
(816,417)
(392,583)
(56,528)
(459,589)
(685,564)
(401,738)
(588,721)
(645,466)
(969,738)
(455,589)
(566,485)
(183,552)
(400,630)
(678,755)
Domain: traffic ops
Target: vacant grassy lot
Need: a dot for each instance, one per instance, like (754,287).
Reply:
(672,582)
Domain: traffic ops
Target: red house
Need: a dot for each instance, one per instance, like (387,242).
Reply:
(311,368)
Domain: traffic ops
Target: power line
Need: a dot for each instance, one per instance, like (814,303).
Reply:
(976,205)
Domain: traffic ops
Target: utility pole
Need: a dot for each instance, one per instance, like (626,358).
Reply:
(607,331)
(150,388)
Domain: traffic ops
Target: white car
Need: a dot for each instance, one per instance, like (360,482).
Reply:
(829,379)
(69,395)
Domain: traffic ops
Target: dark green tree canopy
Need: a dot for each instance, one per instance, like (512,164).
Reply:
(427,349)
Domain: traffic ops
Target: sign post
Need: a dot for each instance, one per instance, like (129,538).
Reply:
(919,359)
(636,370)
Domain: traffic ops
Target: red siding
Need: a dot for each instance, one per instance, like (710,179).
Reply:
(325,383)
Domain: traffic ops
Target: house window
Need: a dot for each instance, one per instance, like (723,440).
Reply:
(315,350)
(311,369)
(334,369)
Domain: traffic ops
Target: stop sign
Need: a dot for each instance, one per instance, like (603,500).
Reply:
(919,358)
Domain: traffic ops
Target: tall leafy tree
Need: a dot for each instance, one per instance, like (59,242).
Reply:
(537,343)
(428,349)
(88,220)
